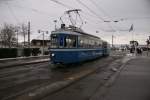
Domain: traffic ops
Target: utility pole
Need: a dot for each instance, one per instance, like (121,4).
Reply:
(17,39)
(148,43)
(40,31)
(16,31)
(112,41)
(43,43)
(28,34)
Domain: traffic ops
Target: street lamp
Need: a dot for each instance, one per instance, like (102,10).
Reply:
(148,43)
(41,31)
(55,21)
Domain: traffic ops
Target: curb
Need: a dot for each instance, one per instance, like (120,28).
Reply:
(114,77)
(104,89)
(22,58)
(27,63)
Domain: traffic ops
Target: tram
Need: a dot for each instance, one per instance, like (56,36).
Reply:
(72,45)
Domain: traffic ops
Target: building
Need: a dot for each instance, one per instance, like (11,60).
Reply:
(42,44)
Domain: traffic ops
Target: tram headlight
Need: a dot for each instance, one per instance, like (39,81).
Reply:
(52,54)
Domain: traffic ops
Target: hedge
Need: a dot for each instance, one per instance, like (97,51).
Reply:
(35,51)
(13,52)
(27,51)
(8,52)
(18,52)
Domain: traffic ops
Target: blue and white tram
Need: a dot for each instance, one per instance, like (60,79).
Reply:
(72,46)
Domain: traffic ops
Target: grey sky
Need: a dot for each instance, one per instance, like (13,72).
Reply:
(41,13)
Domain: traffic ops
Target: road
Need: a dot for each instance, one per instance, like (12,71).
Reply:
(15,81)
(132,83)
(86,88)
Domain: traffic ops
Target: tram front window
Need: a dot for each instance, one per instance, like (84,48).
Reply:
(70,41)
(54,41)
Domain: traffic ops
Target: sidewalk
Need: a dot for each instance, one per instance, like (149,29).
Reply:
(22,61)
(133,83)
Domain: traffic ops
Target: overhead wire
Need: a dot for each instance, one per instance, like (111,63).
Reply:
(90,10)
(69,7)
(94,13)
(91,21)
(62,4)
(12,12)
(36,10)
(31,9)
(100,8)
(121,19)
(39,11)
(136,18)
(104,12)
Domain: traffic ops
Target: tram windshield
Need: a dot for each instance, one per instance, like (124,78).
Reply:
(63,41)
(54,41)
(70,41)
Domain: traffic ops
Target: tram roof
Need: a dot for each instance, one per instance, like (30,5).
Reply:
(88,34)
(74,32)
(65,32)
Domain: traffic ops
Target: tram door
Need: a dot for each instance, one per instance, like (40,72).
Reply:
(61,42)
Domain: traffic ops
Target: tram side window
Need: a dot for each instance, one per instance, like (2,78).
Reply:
(54,41)
(85,42)
(104,44)
(89,42)
(99,44)
(81,42)
(70,41)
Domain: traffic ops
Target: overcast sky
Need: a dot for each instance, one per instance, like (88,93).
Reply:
(42,13)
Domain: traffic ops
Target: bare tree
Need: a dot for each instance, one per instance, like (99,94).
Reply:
(8,35)
(24,31)
(17,31)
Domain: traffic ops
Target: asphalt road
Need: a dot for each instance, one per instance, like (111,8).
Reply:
(85,89)
(17,80)
(133,82)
